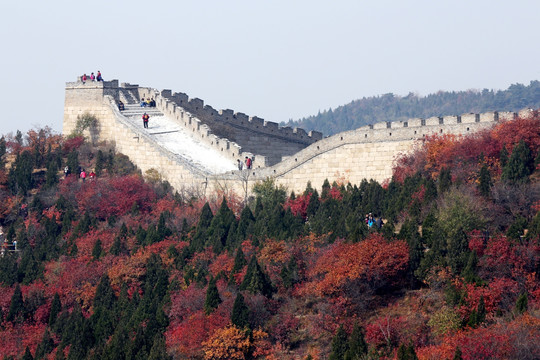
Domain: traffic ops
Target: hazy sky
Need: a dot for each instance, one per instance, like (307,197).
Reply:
(273,59)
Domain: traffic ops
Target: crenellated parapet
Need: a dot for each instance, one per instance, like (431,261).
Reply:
(290,156)
(265,140)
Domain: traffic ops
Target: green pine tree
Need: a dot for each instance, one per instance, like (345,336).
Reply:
(256,280)
(457,354)
(503,156)
(16,307)
(357,345)
(522,303)
(445,180)
(56,308)
(340,344)
(520,164)
(212,297)
(27,355)
(485,183)
(97,250)
(46,345)
(240,312)
(199,239)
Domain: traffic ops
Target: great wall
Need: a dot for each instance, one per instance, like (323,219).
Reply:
(292,157)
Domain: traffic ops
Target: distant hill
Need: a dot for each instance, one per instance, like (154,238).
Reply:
(390,107)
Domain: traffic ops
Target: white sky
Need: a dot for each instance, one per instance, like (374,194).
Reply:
(272,59)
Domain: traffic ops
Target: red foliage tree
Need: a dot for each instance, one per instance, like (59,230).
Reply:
(115,196)
(374,260)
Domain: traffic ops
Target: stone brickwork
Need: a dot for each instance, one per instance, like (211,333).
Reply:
(365,153)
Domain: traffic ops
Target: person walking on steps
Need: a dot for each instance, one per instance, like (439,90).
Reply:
(145,118)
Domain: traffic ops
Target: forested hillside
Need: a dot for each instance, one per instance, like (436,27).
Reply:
(390,107)
(119,267)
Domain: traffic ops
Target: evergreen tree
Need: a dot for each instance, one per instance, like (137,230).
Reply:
(240,312)
(517,228)
(16,307)
(357,345)
(406,352)
(51,177)
(56,308)
(245,225)
(484,185)
(520,164)
(73,162)
(503,156)
(159,349)
(239,263)
(256,281)
(522,303)
(27,355)
(2,152)
(118,247)
(212,297)
(97,250)
(469,273)
(313,204)
(104,296)
(162,230)
(100,162)
(201,232)
(220,226)
(289,273)
(46,345)
(20,178)
(457,354)
(340,344)
(445,180)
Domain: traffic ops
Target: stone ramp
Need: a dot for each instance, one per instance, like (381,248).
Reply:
(172,136)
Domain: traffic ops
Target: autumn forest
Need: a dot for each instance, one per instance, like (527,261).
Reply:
(122,266)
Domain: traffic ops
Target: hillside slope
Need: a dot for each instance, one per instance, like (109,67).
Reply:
(390,107)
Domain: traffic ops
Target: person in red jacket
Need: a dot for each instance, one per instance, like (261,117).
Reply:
(145,119)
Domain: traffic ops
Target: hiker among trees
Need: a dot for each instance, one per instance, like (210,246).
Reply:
(83,175)
(145,118)
(92,175)
(66,171)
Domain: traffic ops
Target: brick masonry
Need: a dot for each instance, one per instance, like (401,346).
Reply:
(290,156)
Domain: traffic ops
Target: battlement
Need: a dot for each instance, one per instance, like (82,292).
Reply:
(208,114)
(244,135)
(291,156)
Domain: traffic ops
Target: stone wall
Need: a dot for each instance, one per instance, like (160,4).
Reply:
(254,135)
(365,153)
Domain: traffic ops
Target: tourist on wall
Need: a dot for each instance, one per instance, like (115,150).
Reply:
(240,164)
(152,103)
(121,106)
(145,119)
(143,103)
(84,78)
(248,162)
(92,77)
(99,78)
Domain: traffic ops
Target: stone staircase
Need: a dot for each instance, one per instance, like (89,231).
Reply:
(135,111)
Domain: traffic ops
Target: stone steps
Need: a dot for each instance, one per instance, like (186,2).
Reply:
(135,110)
